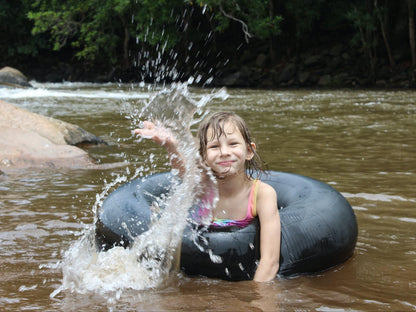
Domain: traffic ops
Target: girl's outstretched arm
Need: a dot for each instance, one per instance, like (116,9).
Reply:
(269,234)
(166,138)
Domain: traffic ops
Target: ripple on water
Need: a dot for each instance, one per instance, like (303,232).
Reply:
(20,202)
(378,197)
(410,220)
(24,231)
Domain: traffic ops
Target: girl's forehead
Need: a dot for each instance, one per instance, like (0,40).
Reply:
(228,128)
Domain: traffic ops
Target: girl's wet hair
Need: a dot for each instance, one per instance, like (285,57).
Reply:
(216,122)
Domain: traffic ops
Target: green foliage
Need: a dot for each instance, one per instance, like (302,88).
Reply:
(113,33)
(157,22)
(304,13)
(365,22)
(57,23)
(92,27)
(97,29)
(15,37)
(253,16)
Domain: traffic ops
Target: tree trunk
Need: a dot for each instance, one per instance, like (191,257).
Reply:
(125,63)
(272,38)
(412,32)
(365,36)
(384,34)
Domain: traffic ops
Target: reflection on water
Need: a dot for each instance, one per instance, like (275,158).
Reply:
(361,142)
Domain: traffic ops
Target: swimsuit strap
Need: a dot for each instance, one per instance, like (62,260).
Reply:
(252,200)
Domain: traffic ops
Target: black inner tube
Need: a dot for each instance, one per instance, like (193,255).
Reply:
(319,228)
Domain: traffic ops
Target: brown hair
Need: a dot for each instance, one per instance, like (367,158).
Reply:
(216,122)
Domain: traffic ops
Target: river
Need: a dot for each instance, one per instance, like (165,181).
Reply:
(362,142)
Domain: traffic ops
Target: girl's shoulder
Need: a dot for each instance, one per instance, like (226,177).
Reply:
(265,188)
(266,199)
(266,195)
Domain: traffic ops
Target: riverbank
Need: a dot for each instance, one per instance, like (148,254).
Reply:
(330,67)
(336,66)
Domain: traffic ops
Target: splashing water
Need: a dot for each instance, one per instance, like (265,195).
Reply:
(153,256)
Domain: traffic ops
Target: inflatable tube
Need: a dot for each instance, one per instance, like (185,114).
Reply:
(319,228)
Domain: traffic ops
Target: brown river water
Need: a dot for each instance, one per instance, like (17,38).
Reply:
(362,142)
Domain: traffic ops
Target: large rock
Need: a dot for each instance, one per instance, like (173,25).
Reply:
(32,140)
(12,77)
(288,72)
(239,78)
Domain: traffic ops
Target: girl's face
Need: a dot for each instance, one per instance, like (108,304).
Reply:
(227,154)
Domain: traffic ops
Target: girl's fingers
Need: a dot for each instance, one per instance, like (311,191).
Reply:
(143,126)
(149,130)
(148,125)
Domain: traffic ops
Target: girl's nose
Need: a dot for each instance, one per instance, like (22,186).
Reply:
(224,150)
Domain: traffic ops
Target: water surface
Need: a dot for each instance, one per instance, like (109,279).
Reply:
(361,142)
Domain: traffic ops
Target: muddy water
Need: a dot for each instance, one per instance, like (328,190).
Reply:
(361,142)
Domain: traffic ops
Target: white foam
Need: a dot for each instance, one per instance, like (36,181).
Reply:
(411,220)
(378,197)
(51,93)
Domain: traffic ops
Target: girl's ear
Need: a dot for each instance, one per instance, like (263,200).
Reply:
(251,148)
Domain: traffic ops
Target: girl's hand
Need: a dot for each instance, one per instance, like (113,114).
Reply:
(157,134)
(166,138)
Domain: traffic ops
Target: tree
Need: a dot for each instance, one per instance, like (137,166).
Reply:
(272,15)
(254,17)
(16,40)
(380,12)
(101,31)
(90,27)
(175,39)
(411,17)
(303,15)
(364,20)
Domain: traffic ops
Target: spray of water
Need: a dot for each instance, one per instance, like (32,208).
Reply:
(153,257)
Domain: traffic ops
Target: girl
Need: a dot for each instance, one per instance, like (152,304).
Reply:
(225,147)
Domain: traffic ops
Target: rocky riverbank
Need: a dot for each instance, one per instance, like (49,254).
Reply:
(335,67)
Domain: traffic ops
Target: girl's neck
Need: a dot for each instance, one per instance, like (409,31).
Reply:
(230,185)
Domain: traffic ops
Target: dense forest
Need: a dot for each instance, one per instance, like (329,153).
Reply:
(242,43)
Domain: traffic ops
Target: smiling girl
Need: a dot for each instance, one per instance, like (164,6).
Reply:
(226,147)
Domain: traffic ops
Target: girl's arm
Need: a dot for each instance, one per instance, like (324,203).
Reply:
(164,137)
(269,234)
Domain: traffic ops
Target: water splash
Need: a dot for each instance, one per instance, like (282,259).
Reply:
(153,257)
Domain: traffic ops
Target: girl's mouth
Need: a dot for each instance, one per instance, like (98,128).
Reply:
(225,163)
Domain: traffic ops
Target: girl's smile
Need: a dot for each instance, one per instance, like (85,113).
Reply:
(225,163)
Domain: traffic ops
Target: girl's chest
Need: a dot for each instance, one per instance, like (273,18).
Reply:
(233,207)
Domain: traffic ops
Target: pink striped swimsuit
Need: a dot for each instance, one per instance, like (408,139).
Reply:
(251,210)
